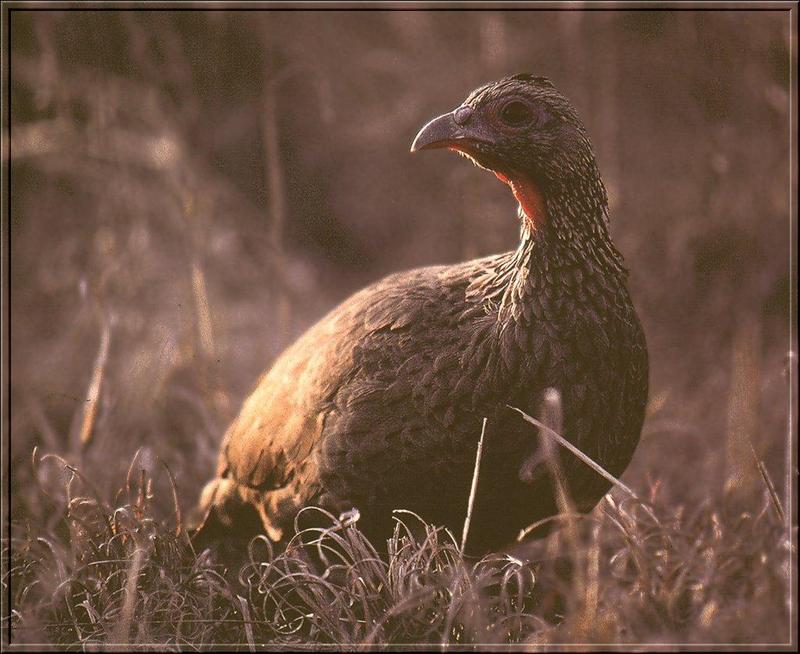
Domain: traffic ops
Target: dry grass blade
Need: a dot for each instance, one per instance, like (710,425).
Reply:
(123,630)
(175,502)
(204,323)
(583,457)
(473,487)
(563,517)
(587,616)
(95,386)
(248,627)
(743,410)
(275,181)
(743,420)
(552,420)
(775,501)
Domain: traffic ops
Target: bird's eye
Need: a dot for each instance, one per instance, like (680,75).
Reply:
(515,114)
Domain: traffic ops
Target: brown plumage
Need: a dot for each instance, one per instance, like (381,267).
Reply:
(379,405)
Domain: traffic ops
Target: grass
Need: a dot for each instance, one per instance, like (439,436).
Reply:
(124,571)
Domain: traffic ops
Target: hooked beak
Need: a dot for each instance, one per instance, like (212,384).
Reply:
(458,130)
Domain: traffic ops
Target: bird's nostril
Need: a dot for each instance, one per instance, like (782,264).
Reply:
(462,114)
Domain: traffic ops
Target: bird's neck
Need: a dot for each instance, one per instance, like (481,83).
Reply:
(563,230)
(528,194)
(565,216)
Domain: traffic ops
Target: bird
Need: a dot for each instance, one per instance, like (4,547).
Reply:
(380,405)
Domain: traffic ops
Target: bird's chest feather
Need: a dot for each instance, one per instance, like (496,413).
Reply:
(445,389)
(552,331)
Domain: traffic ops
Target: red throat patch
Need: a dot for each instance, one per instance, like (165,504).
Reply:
(529,197)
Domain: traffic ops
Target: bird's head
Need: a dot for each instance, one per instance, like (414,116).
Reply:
(522,129)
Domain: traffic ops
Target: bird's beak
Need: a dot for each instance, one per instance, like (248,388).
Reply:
(452,130)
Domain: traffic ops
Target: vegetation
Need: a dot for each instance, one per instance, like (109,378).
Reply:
(191,190)
(631,572)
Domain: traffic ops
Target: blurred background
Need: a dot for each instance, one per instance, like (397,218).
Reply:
(191,190)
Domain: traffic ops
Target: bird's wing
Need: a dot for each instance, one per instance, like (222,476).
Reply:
(333,368)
